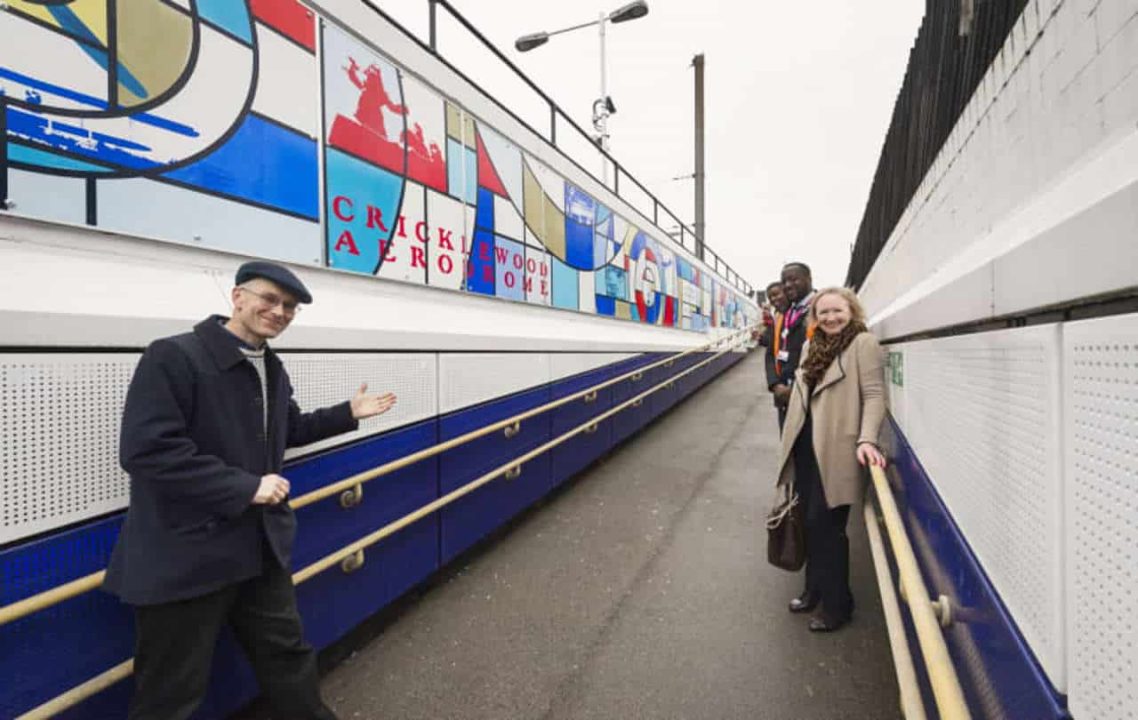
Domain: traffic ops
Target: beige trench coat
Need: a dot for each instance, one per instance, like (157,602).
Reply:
(847,407)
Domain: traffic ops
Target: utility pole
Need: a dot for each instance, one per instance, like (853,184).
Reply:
(697,63)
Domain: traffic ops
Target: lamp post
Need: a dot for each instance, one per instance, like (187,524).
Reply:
(603,106)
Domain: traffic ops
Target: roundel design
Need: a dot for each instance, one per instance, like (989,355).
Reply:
(162,86)
(646,281)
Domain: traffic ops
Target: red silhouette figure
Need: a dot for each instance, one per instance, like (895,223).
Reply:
(373,98)
(365,133)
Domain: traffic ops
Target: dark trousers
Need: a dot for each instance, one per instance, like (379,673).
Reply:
(175,641)
(827,545)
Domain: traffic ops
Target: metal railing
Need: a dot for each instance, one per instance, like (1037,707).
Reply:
(687,236)
(351,556)
(928,617)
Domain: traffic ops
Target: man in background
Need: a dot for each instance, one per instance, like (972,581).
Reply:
(799,289)
(772,334)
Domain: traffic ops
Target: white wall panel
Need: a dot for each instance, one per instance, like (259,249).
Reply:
(294,105)
(159,210)
(323,379)
(983,414)
(470,378)
(59,429)
(1101,433)
(48,196)
(563,365)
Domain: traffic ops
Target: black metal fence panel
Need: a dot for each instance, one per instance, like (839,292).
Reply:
(957,42)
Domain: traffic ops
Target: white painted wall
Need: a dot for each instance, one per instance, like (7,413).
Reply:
(1033,200)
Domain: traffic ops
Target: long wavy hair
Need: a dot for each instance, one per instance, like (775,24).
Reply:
(825,348)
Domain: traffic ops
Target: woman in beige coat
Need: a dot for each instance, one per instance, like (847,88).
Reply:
(836,408)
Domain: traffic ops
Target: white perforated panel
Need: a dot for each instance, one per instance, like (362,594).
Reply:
(59,425)
(983,415)
(324,379)
(563,365)
(470,378)
(1101,372)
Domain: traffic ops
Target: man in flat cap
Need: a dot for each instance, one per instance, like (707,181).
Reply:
(208,536)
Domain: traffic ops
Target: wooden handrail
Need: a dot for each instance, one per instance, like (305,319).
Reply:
(942,673)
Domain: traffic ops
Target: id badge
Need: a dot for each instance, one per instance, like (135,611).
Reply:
(783,355)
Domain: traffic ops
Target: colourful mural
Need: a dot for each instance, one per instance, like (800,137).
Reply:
(212,121)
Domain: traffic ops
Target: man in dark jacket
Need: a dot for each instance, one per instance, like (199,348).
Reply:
(799,287)
(208,536)
(772,334)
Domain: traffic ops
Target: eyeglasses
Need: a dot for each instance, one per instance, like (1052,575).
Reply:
(291,307)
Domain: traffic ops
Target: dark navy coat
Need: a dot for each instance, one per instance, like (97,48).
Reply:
(194,443)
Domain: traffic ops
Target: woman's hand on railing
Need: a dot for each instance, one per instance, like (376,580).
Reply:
(868,454)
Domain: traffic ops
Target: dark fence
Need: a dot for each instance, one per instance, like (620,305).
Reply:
(957,42)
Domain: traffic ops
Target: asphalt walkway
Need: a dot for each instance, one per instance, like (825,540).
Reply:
(639,590)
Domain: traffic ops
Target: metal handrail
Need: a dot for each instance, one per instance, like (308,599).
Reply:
(81,692)
(66,591)
(912,707)
(941,672)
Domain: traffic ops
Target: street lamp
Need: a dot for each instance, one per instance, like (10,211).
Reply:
(603,107)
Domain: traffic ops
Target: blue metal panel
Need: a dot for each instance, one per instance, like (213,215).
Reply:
(578,411)
(998,672)
(53,650)
(325,526)
(628,421)
(575,454)
(336,602)
(475,515)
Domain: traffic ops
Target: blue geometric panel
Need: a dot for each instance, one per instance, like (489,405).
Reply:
(263,163)
(510,275)
(614,282)
(578,244)
(362,204)
(233,17)
(481,268)
(462,172)
(566,288)
(33,158)
(685,270)
(603,248)
(606,305)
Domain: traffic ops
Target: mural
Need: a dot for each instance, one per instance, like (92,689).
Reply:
(211,121)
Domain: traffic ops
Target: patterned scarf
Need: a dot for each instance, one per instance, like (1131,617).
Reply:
(824,349)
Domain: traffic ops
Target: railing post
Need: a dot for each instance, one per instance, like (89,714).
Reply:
(552,124)
(433,5)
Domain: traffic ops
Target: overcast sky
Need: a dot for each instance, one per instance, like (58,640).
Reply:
(798,100)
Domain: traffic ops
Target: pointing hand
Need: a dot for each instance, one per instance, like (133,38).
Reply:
(365,406)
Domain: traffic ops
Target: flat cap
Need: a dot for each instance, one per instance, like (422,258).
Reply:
(280,275)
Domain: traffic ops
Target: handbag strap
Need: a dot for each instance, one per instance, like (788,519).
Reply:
(779,514)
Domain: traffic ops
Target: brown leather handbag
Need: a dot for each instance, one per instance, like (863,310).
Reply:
(786,534)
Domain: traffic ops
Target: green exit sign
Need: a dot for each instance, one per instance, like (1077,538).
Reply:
(897,369)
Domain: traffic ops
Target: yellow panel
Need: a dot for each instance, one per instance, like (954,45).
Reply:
(623,310)
(554,239)
(531,190)
(454,123)
(629,236)
(93,14)
(154,45)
